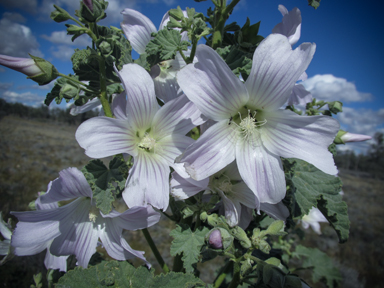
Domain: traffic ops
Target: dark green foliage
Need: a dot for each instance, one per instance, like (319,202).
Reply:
(321,264)
(314,188)
(106,183)
(123,274)
(188,243)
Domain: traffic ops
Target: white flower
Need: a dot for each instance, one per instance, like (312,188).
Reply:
(238,200)
(250,126)
(74,229)
(313,219)
(153,136)
(138,29)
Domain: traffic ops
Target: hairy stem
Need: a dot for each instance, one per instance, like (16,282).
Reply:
(103,89)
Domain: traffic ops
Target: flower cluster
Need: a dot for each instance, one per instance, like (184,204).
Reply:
(244,136)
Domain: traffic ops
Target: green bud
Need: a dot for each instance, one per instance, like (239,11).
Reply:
(261,244)
(176,14)
(73,29)
(59,15)
(276,228)
(338,138)
(96,14)
(48,71)
(105,48)
(335,107)
(173,23)
(240,235)
(69,90)
(32,205)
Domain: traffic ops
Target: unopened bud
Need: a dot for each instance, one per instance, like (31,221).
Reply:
(215,240)
(37,69)
(59,15)
(335,107)
(350,137)
(93,10)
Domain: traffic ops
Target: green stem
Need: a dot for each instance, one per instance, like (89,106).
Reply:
(222,274)
(236,276)
(193,51)
(183,56)
(156,252)
(103,89)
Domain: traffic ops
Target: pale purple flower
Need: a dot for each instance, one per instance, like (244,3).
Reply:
(26,66)
(290,26)
(153,136)
(74,229)
(250,126)
(138,29)
(350,137)
(313,219)
(237,200)
(7,234)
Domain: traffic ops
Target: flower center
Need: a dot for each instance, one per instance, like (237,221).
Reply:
(222,183)
(249,125)
(147,143)
(93,213)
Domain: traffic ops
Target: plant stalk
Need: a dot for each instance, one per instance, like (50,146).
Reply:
(155,251)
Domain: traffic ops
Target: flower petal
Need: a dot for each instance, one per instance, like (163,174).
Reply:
(232,209)
(141,98)
(299,96)
(290,25)
(182,189)
(275,69)
(78,234)
(214,150)
(172,146)
(90,105)
(54,262)
(135,218)
(119,106)
(261,171)
(212,86)
(244,195)
(277,211)
(148,182)
(178,116)
(103,136)
(292,136)
(71,184)
(137,28)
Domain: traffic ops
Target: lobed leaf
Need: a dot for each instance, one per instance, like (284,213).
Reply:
(315,188)
(188,243)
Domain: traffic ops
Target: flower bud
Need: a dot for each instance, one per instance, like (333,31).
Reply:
(59,15)
(89,4)
(350,137)
(215,240)
(37,69)
(343,137)
(335,107)
(92,10)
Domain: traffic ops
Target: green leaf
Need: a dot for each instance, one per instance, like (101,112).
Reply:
(315,188)
(236,59)
(321,264)
(123,274)
(165,44)
(314,3)
(63,89)
(189,243)
(85,64)
(103,181)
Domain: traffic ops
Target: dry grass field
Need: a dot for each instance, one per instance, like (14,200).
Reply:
(32,152)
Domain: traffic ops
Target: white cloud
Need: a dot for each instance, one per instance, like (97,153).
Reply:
(329,87)
(63,52)
(14,17)
(17,39)
(26,5)
(26,98)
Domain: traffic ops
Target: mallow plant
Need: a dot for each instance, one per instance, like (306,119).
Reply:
(201,129)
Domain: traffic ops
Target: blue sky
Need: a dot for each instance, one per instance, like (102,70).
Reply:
(347,65)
